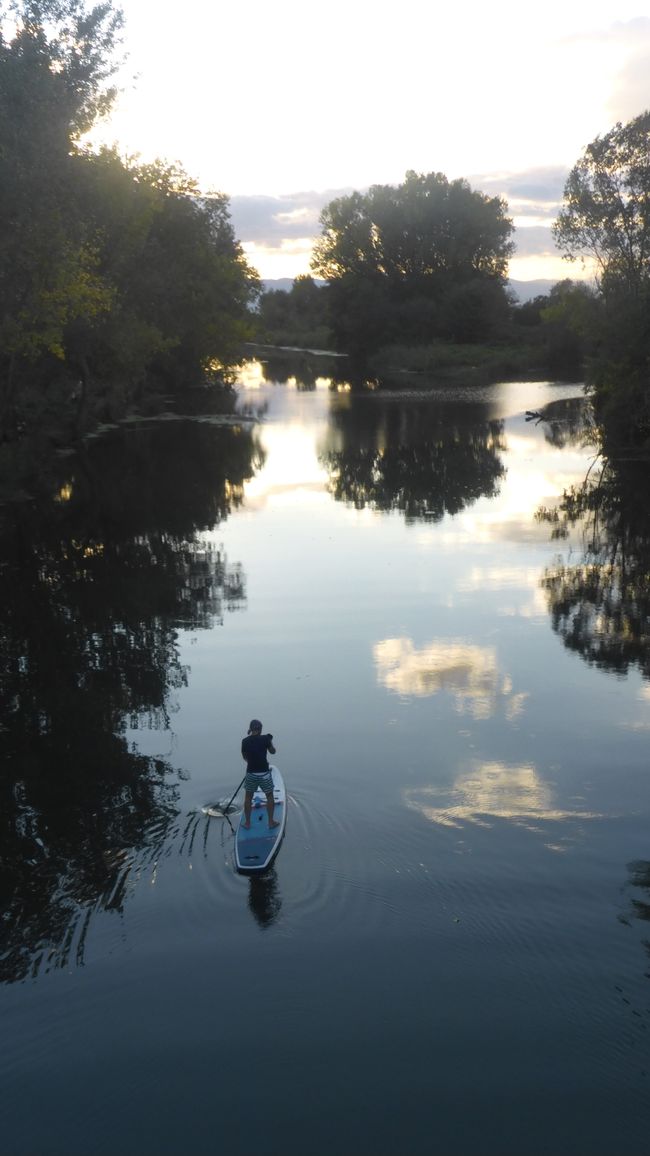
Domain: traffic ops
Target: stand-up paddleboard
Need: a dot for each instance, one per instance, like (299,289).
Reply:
(256,848)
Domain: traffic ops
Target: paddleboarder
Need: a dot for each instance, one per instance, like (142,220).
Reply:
(254,748)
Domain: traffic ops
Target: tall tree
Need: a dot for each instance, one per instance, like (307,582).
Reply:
(113,274)
(297,317)
(393,254)
(606,218)
(606,213)
(56,58)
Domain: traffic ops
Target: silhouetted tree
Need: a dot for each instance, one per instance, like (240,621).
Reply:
(606,218)
(115,277)
(299,317)
(394,255)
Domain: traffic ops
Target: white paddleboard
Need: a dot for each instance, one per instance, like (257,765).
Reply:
(257,846)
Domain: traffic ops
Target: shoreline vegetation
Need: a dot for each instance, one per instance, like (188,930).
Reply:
(439,364)
(123,285)
(121,282)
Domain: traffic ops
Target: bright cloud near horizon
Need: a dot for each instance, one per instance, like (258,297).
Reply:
(284,106)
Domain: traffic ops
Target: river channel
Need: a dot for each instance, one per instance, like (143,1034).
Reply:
(451,952)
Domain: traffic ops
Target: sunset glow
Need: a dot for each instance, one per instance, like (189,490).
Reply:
(510,104)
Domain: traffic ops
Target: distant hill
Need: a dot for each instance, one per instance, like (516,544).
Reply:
(525,290)
(284,283)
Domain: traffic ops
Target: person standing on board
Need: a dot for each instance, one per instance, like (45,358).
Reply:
(258,772)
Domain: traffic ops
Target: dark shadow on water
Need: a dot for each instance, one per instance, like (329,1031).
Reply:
(637,911)
(94,586)
(639,879)
(264,900)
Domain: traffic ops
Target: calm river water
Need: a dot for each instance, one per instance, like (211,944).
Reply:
(451,953)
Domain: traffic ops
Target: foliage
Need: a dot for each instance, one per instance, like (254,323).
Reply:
(424,259)
(606,217)
(299,317)
(65,53)
(115,277)
(570,323)
(574,304)
(459,362)
(49,87)
(606,214)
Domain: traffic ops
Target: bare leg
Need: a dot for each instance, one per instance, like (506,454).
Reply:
(270,804)
(248,799)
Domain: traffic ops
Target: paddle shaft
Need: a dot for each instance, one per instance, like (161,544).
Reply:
(230,800)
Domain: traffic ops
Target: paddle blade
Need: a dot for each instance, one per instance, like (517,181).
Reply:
(219,810)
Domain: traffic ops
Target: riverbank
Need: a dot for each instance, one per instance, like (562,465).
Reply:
(30,462)
(440,361)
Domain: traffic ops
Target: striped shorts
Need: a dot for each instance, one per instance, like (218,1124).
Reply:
(263,780)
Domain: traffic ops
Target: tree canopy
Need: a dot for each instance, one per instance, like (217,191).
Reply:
(606,213)
(410,259)
(114,275)
(606,217)
(297,317)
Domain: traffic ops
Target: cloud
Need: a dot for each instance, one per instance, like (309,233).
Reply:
(271,221)
(631,91)
(536,191)
(535,241)
(534,198)
(278,232)
(630,88)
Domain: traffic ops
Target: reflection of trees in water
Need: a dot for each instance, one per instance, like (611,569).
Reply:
(92,591)
(600,605)
(567,422)
(421,458)
(637,894)
(303,370)
(639,878)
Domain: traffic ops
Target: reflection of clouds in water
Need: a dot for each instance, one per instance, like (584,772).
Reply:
(492,791)
(535,607)
(639,723)
(499,578)
(291,471)
(644,722)
(510,579)
(469,673)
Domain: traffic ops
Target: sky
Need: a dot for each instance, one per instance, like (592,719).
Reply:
(285,105)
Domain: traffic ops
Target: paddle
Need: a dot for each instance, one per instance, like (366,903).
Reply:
(216,808)
(225,809)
